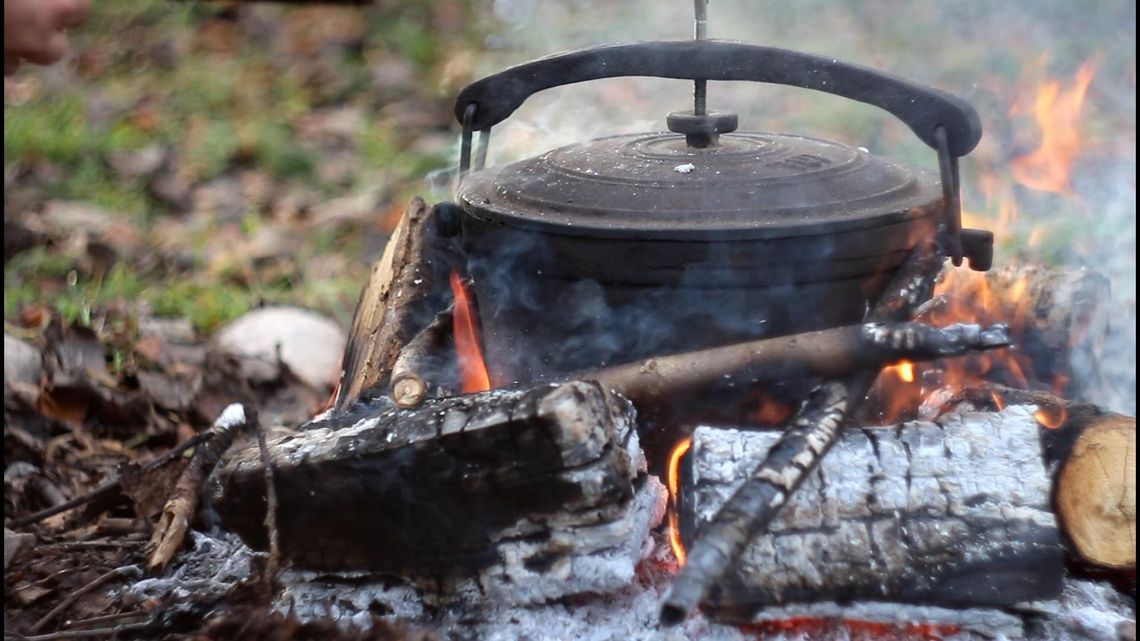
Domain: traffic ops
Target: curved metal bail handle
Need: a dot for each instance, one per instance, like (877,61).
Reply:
(466,139)
(951,195)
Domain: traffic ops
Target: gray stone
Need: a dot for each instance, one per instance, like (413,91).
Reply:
(309,343)
(22,362)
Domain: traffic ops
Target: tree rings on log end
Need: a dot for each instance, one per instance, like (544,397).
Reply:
(1096,493)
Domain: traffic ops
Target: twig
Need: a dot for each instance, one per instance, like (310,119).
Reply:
(84,634)
(83,591)
(118,616)
(170,531)
(270,509)
(110,487)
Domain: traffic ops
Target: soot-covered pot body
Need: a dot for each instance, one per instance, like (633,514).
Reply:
(632,246)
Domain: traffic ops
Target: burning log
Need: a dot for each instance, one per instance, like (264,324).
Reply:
(449,488)
(408,285)
(829,353)
(1058,318)
(954,513)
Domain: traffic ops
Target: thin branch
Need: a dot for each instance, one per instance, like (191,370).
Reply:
(271,507)
(72,598)
(83,634)
(110,487)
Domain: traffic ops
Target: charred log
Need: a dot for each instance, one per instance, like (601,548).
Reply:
(954,513)
(406,288)
(437,490)
(1091,453)
(815,430)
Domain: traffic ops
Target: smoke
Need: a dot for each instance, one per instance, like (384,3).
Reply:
(991,54)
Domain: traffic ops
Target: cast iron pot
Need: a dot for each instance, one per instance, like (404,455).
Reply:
(630,246)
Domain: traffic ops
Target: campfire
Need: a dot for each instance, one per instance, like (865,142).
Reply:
(761,381)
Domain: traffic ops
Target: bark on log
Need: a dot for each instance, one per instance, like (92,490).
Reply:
(406,288)
(436,490)
(954,513)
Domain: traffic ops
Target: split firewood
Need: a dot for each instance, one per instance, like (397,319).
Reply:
(406,288)
(954,513)
(814,430)
(439,489)
(170,531)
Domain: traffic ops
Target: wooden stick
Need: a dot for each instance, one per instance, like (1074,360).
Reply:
(813,432)
(271,507)
(829,353)
(81,592)
(170,531)
(416,369)
(757,501)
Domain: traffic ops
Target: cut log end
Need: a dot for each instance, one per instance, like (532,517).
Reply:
(1096,493)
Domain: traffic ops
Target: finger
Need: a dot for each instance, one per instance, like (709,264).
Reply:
(73,13)
(51,50)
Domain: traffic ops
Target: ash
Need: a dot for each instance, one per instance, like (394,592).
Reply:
(1087,610)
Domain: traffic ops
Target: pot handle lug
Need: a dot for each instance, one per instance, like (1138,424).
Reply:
(921,108)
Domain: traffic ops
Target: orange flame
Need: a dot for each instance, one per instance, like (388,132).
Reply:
(473,374)
(673,478)
(966,296)
(1057,111)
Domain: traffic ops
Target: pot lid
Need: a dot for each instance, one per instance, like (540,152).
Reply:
(750,185)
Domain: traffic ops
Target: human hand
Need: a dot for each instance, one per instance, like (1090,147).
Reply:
(35,30)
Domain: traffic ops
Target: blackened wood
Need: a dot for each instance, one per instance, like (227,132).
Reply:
(953,513)
(757,500)
(814,430)
(829,353)
(405,289)
(1091,453)
(427,363)
(432,490)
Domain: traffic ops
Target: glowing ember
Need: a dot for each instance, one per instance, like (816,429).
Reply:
(1057,112)
(1051,417)
(770,411)
(674,483)
(473,374)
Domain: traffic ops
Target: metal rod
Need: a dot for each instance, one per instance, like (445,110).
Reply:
(700,32)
